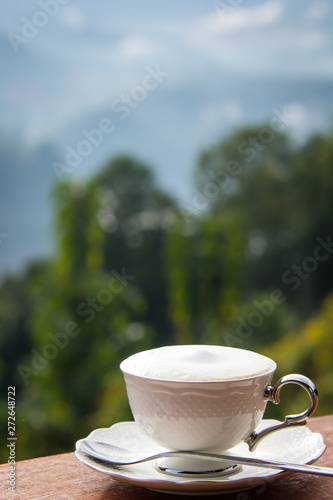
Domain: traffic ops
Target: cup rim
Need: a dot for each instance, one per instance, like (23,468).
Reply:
(199,382)
(178,381)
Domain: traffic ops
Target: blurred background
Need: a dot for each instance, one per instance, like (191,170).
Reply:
(165,177)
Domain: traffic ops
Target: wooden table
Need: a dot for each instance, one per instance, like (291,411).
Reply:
(63,477)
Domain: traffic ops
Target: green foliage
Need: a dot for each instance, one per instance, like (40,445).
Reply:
(134,214)
(285,195)
(83,321)
(204,262)
(79,236)
(177,261)
(308,350)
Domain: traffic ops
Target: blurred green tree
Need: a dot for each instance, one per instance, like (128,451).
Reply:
(85,321)
(285,193)
(134,214)
(307,350)
(204,262)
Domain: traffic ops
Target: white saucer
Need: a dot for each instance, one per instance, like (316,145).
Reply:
(293,444)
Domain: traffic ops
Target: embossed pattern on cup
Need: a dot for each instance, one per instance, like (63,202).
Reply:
(205,416)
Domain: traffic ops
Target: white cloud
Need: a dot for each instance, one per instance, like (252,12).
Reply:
(240,18)
(235,40)
(135,47)
(73,18)
(297,112)
(229,111)
(305,118)
(317,12)
(262,40)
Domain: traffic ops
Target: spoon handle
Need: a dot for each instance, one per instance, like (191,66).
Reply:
(256,462)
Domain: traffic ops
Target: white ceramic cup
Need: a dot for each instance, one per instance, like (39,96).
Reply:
(212,415)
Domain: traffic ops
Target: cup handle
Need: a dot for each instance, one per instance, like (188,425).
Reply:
(273,394)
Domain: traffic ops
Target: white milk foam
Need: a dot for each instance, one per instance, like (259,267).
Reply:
(197,363)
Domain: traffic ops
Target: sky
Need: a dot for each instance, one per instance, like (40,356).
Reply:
(90,52)
(170,78)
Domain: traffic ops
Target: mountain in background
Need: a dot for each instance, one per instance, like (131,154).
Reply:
(25,212)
